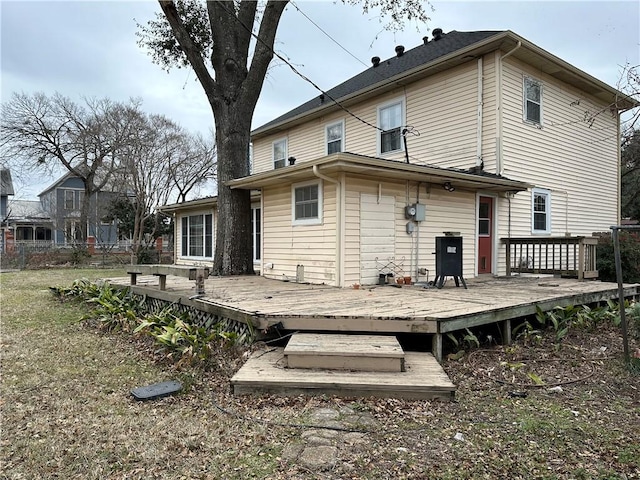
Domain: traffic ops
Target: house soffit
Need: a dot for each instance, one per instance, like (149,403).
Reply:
(378,169)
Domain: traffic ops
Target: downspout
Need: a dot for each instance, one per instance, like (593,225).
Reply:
(337,183)
(499,162)
(480,106)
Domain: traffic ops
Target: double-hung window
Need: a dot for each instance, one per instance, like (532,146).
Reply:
(306,203)
(335,137)
(280,153)
(69,200)
(541,211)
(390,120)
(197,236)
(532,101)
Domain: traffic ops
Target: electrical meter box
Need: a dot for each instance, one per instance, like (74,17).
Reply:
(416,212)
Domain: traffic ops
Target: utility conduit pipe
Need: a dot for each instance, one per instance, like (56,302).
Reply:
(322,176)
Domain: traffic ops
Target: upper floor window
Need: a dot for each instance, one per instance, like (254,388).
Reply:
(541,211)
(390,120)
(69,200)
(306,203)
(197,236)
(280,153)
(532,101)
(335,137)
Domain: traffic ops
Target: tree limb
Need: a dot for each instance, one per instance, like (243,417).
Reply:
(189,48)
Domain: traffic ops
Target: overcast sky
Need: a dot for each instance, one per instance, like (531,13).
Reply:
(88,48)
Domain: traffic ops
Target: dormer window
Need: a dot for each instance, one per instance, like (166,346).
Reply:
(390,121)
(280,153)
(532,101)
(335,137)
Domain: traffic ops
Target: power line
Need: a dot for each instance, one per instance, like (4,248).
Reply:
(297,72)
(334,40)
(326,34)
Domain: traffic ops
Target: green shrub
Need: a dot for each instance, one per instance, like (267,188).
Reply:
(116,309)
(81,289)
(629,256)
(182,341)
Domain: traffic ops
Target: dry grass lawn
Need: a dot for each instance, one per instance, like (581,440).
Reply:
(67,413)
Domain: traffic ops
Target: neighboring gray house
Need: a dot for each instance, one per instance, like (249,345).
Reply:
(63,199)
(54,220)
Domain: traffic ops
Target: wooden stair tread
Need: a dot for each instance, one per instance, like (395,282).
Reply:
(424,378)
(344,345)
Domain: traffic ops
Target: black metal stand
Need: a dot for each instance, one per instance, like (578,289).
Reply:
(439,281)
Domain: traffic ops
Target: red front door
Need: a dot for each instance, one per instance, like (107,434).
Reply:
(485,238)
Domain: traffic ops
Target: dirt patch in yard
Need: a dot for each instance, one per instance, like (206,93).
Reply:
(67,412)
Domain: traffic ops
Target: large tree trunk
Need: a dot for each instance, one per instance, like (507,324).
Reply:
(233,95)
(233,252)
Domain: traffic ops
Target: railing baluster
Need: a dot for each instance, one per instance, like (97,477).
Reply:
(574,256)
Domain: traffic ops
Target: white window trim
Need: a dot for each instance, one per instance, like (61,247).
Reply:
(547,193)
(256,226)
(213,236)
(524,100)
(306,221)
(326,137)
(403,121)
(286,151)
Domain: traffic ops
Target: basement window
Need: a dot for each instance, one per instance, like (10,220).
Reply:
(306,203)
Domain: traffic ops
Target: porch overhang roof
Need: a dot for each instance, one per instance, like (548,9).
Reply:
(378,168)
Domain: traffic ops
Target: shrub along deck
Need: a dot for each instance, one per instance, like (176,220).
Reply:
(268,304)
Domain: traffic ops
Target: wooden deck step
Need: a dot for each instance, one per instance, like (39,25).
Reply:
(366,353)
(264,372)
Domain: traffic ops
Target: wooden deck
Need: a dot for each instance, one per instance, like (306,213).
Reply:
(378,309)
(266,372)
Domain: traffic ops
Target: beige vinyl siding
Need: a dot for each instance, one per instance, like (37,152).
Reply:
(575,159)
(444,212)
(442,108)
(286,246)
(455,212)
(489,113)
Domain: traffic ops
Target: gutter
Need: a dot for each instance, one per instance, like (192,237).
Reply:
(339,229)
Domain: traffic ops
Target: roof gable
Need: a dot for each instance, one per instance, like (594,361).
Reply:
(389,68)
(449,50)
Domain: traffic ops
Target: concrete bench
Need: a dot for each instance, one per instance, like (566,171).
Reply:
(199,274)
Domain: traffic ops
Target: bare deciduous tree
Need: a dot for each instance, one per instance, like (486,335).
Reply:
(194,165)
(220,35)
(38,132)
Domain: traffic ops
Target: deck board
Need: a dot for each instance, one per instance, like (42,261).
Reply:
(424,378)
(374,309)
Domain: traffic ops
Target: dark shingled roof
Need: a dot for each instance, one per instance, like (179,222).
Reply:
(420,55)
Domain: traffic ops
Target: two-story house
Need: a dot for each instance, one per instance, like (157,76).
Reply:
(63,201)
(482,135)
